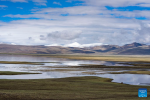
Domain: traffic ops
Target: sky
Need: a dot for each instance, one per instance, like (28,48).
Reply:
(76,23)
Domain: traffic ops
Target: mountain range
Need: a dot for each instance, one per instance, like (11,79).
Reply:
(127,49)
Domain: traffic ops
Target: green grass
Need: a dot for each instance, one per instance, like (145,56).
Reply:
(132,72)
(22,62)
(73,88)
(15,73)
(124,58)
(121,58)
(119,67)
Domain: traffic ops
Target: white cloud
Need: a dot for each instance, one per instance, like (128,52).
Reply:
(133,14)
(94,29)
(64,35)
(57,3)
(142,35)
(19,7)
(40,2)
(54,13)
(72,10)
(114,3)
(82,26)
(3,6)
(17,0)
(144,5)
(37,2)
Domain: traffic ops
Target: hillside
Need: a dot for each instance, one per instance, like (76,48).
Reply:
(127,49)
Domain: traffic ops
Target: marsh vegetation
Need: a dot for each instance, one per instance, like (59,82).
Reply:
(72,77)
(73,88)
(15,73)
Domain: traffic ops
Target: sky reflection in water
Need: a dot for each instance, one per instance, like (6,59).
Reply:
(134,79)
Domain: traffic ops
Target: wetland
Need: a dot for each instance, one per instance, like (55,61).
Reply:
(46,77)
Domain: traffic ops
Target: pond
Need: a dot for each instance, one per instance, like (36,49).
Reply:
(61,68)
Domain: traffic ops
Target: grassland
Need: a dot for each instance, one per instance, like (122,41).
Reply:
(15,73)
(132,72)
(124,58)
(120,58)
(22,62)
(74,88)
(114,67)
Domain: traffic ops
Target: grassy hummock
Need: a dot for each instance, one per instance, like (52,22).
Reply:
(132,72)
(15,73)
(23,62)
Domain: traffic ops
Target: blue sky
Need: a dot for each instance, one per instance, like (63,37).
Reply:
(74,22)
(19,7)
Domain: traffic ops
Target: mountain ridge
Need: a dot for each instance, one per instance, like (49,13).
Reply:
(127,49)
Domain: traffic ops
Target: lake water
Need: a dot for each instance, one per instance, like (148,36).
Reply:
(58,70)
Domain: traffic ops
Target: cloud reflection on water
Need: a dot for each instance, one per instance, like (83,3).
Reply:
(134,79)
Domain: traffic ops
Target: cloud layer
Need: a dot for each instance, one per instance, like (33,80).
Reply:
(37,2)
(88,24)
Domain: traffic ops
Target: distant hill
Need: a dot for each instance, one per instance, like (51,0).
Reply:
(127,49)
(132,45)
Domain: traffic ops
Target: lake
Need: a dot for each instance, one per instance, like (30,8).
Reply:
(61,68)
